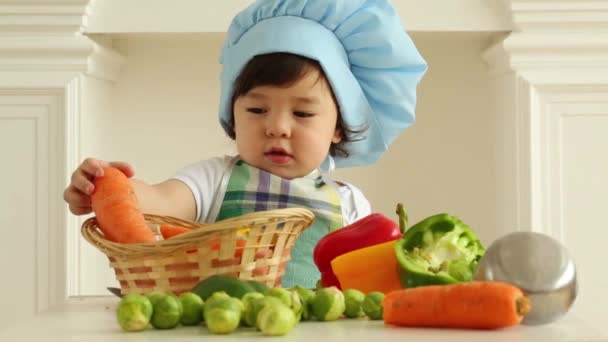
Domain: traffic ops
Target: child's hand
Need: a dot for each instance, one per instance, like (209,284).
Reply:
(78,193)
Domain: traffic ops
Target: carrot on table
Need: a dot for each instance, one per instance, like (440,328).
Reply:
(477,305)
(115,206)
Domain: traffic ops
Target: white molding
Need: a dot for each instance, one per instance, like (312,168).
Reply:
(524,150)
(46,17)
(46,35)
(578,55)
(105,63)
(73,109)
(566,15)
(497,59)
(73,53)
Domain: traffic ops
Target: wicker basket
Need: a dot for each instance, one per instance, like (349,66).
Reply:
(178,264)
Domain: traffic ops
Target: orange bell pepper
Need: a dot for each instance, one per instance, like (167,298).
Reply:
(368,269)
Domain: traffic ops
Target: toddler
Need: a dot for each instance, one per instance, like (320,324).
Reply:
(306,86)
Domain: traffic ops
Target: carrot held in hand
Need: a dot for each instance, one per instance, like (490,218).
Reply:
(476,305)
(116,209)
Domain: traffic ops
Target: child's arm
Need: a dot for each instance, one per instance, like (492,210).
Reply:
(172,197)
(169,198)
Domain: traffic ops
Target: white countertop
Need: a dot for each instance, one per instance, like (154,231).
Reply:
(93,319)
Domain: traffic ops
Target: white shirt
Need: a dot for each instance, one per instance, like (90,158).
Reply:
(204,178)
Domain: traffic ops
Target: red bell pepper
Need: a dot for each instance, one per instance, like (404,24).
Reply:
(368,231)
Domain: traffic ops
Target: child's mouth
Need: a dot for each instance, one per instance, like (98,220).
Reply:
(278,156)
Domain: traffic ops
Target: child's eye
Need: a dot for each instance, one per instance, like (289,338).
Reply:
(256,110)
(303,114)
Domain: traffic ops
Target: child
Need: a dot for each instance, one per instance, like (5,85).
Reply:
(306,86)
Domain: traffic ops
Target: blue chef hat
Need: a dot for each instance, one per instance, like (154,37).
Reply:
(371,63)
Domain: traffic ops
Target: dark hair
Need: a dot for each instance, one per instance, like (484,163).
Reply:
(284,69)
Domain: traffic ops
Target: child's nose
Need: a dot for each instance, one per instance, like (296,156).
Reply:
(278,125)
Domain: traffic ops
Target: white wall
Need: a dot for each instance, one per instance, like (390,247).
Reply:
(118,16)
(162,115)
(443,163)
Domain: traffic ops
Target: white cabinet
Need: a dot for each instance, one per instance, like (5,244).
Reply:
(30,134)
(44,68)
(551,100)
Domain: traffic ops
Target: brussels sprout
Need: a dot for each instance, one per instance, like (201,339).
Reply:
(134,312)
(256,306)
(223,300)
(193,308)
(328,304)
(306,295)
(222,313)
(276,319)
(248,299)
(167,311)
(289,298)
(155,296)
(372,305)
(222,321)
(353,299)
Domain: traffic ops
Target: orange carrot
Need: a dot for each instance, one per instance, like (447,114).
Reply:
(168,231)
(240,244)
(116,209)
(477,305)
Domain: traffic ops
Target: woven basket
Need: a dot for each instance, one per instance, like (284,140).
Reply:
(179,263)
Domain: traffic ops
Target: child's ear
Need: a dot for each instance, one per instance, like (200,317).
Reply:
(337,138)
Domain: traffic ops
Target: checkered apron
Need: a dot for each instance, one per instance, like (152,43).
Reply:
(250,189)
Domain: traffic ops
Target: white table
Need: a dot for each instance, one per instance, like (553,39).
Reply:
(92,319)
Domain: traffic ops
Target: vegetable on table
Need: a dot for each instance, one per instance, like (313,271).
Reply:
(372,305)
(167,310)
(134,312)
(256,305)
(370,230)
(306,295)
(276,319)
(233,286)
(440,249)
(222,321)
(247,318)
(476,305)
(115,206)
(192,306)
(328,304)
(290,298)
(353,299)
(368,269)
(258,286)
(222,313)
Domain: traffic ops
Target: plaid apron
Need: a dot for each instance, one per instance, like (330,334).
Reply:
(250,189)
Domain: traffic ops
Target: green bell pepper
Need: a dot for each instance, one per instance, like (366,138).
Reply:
(438,250)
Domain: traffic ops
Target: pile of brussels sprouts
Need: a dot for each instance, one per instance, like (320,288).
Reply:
(275,312)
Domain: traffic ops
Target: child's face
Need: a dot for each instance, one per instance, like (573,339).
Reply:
(287,131)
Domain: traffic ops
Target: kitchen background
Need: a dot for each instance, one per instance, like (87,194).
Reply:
(503,150)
